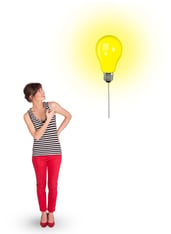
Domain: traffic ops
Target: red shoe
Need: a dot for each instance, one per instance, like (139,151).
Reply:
(51,224)
(43,224)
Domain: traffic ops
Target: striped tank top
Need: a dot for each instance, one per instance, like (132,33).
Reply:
(49,143)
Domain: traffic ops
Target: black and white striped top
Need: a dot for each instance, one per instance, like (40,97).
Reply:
(49,143)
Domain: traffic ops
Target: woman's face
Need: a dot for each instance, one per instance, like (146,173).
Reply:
(40,95)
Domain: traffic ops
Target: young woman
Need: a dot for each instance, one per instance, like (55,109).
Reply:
(41,122)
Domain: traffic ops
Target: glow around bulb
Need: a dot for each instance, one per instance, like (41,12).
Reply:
(108,51)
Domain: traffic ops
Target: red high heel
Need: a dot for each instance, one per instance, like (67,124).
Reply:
(50,224)
(42,224)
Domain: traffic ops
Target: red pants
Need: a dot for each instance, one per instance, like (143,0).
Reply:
(42,164)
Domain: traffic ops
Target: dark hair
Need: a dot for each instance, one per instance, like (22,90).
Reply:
(30,90)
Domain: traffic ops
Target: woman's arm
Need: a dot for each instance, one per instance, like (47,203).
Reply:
(37,134)
(60,110)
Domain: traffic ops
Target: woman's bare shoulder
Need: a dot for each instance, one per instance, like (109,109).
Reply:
(53,104)
(26,115)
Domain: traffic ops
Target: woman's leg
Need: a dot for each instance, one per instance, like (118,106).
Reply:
(54,163)
(40,166)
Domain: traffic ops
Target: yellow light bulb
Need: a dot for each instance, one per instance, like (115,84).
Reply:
(108,51)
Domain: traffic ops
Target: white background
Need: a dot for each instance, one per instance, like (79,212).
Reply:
(115,175)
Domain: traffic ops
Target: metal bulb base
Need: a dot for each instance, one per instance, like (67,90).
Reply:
(108,77)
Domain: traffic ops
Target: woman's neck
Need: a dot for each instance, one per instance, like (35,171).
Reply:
(38,105)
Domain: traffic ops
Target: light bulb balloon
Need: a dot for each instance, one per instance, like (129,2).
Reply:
(108,51)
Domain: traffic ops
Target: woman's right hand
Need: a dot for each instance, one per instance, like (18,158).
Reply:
(50,114)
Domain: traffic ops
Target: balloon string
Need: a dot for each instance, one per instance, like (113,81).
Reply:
(108,102)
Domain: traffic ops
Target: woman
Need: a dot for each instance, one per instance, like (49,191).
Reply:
(46,156)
